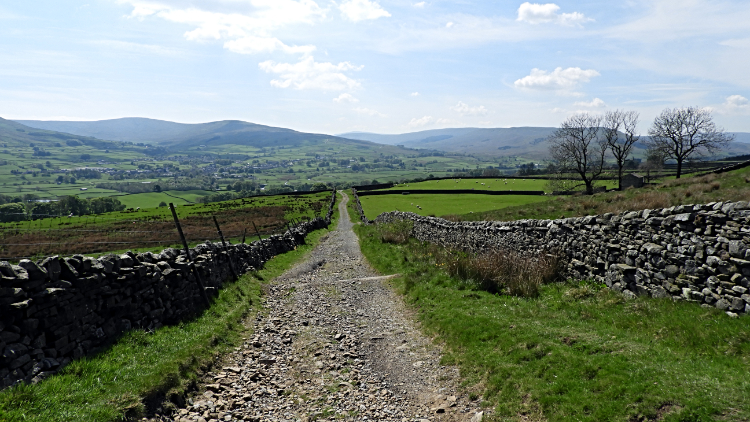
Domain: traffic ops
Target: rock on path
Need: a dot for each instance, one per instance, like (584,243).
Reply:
(337,344)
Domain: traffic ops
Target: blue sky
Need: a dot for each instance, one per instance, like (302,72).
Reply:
(386,66)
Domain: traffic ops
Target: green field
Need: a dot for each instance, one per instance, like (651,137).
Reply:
(153,199)
(440,204)
(730,186)
(496,184)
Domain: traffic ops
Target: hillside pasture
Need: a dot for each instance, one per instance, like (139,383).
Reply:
(489,184)
(730,186)
(442,204)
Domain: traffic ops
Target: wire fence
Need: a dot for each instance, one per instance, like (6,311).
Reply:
(62,235)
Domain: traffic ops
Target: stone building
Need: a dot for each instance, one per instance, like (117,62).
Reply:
(632,180)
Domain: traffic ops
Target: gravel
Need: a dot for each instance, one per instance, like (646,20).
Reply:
(336,344)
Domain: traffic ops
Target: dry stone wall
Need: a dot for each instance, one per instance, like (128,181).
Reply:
(62,308)
(694,253)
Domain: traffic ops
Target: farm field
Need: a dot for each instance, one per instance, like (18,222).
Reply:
(153,199)
(491,184)
(731,186)
(153,228)
(440,205)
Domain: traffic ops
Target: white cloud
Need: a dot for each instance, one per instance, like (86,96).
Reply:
(359,10)
(449,24)
(422,121)
(253,45)
(735,104)
(309,74)
(595,103)
(420,5)
(414,94)
(246,27)
(464,109)
(345,98)
(535,13)
(369,112)
(561,80)
(737,101)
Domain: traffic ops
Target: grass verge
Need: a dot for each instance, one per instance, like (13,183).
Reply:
(144,366)
(577,351)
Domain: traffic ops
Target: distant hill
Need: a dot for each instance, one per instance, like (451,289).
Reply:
(743,137)
(131,129)
(16,135)
(518,141)
(178,136)
(528,142)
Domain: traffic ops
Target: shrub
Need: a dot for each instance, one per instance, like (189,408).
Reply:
(397,232)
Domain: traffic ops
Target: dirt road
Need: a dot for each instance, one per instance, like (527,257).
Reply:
(337,344)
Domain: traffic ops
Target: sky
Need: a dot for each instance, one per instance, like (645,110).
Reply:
(384,66)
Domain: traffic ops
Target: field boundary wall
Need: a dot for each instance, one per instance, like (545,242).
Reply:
(58,309)
(694,253)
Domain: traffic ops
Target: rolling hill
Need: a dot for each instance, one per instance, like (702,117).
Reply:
(16,135)
(181,136)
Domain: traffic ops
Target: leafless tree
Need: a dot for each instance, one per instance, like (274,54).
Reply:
(620,133)
(654,162)
(579,149)
(682,133)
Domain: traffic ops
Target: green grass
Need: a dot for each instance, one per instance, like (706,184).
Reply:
(443,204)
(731,186)
(578,352)
(153,199)
(113,384)
(496,184)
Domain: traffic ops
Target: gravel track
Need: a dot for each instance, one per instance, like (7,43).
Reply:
(337,344)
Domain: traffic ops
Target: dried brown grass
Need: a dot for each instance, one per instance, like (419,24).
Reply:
(397,232)
(503,271)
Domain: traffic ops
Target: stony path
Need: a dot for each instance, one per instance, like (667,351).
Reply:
(337,344)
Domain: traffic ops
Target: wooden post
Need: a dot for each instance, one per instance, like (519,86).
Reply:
(244,232)
(190,260)
(224,243)
(256,231)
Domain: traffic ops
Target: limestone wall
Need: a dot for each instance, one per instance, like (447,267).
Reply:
(695,253)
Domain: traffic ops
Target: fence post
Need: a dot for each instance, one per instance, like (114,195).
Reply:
(244,232)
(190,259)
(224,243)
(256,231)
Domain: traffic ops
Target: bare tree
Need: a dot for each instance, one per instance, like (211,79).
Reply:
(577,147)
(681,133)
(654,162)
(620,133)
